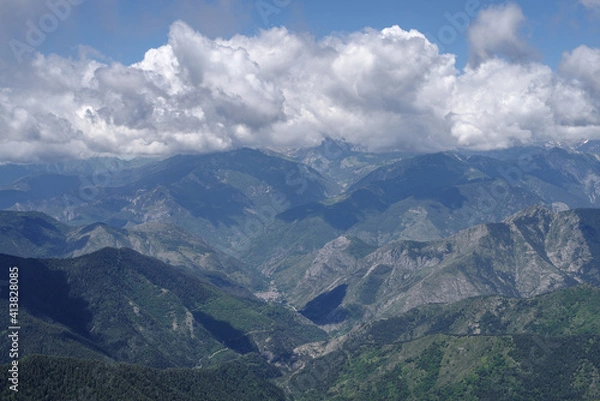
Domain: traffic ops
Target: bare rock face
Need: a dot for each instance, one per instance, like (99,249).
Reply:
(331,262)
(532,252)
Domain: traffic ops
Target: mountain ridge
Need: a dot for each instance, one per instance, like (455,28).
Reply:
(532,252)
(121,305)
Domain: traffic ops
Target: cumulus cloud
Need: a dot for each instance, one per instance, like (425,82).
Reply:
(387,89)
(583,64)
(500,104)
(197,94)
(497,31)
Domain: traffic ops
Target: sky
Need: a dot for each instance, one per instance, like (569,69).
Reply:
(82,78)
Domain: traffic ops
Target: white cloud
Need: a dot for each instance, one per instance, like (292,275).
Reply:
(500,104)
(583,64)
(379,89)
(497,32)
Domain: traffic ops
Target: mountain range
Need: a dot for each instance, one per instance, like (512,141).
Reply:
(34,234)
(328,273)
(530,253)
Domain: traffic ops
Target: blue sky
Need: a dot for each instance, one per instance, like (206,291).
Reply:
(81,78)
(124,30)
(554,25)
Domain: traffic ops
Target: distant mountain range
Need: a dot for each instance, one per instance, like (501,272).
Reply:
(226,198)
(314,274)
(235,200)
(34,234)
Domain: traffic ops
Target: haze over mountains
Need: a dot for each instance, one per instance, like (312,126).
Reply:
(285,261)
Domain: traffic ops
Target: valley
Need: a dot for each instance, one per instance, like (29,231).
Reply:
(320,274)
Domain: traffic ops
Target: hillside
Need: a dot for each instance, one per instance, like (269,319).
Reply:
(34,234)
(54,378)
(494,348)
(118,305)
(532,252)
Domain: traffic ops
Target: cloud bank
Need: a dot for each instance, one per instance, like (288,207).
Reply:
(388,89)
